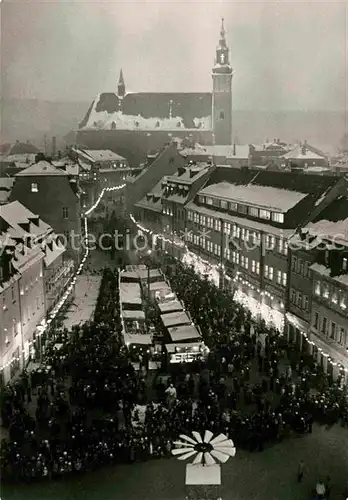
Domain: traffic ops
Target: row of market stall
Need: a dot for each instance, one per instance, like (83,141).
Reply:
(178,337)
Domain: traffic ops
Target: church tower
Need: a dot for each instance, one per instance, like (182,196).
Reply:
(121,88)
(222,93)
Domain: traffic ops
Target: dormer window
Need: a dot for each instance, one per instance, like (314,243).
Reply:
(34,187)
(278,217)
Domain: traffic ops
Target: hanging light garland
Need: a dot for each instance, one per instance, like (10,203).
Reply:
(191,256)
(42,328)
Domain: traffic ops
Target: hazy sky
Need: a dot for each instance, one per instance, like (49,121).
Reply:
(285,56)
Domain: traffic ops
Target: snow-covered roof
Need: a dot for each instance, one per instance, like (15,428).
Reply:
(326,272)
(6,182)
(243,222)
(302,153)
(97,155)
(175,319)
(140,315)
(41,168)
(173,305)
(130,293)
(336,231)
(15,213)
(238,151)
(280,200)
(185,332)
(160,286)
(51,255)
(154,273)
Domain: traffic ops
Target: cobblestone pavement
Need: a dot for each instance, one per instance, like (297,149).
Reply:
(269,475)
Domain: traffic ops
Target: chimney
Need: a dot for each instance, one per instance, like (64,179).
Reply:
(54,147)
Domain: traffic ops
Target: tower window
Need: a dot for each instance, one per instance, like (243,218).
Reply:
(222,115)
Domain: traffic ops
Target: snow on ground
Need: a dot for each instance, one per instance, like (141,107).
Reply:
(86,295)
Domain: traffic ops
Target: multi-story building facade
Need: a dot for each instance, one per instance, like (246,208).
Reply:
(47,191)
(324,243)
(30,265)
(242,221)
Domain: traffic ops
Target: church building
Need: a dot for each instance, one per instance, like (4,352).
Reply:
(134,123)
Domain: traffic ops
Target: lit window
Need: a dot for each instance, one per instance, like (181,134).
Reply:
(189,215)
(235,257)
(265,214)
(236,231)
(326,292)
(256,238)
(270,242)
(254,212)
(195,217)
(317,288)
(227,254)
(284,279)
(278,217)
(227,228)
(269,272)
(343,303)
(209,201)
(334,298)
(345,264)
(217,225)
(34,187)
(279,277)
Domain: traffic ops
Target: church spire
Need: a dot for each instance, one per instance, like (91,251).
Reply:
(222,52)
(121,88)
(222,34)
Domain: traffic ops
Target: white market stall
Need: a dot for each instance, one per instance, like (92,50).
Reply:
(184,333)
(130,293)
(171,306)
(177,318)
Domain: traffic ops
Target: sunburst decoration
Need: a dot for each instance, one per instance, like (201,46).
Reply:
(206,451)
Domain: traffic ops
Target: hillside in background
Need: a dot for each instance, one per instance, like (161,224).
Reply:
(32,119)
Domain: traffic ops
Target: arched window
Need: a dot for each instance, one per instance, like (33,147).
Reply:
(113,125)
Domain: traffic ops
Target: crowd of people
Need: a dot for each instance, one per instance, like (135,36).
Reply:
(81,412)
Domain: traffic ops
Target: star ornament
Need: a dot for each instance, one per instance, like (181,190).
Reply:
(206,451)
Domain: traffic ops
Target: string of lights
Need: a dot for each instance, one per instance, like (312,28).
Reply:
(42,328)
(220,268)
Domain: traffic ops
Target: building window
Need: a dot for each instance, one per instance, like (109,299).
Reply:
(236,232)
(189,215)
(316,320)
(284,279)
(195,217)
(227,228)
(202,220)
(244,262)
(294,263)
(340,335)
(65,213)
(317,288)
(223,204)
(300,266)
(13,292)
(333,331)
(293,296)
(232,206)
(243,209)
(324,326)
(343,303)
(210,222)
(235,257)
(299,300)
(334,298)
(306,269)
(209,201)
(255,267)
(279,277)
(217,225)
(256,238)
(305,302)
(265,214)
(34,187)
(244,234)
(227,254)
(269,272)
(326,292)
(278,217)
(253,211)
(270,242)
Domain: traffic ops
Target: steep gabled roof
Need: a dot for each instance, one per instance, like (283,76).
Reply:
(41,168)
